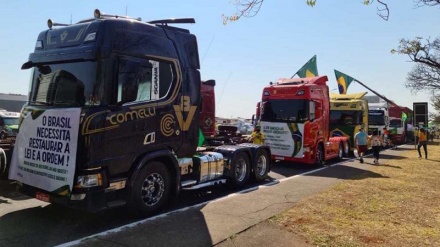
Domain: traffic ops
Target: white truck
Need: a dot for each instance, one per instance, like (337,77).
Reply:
(378,114)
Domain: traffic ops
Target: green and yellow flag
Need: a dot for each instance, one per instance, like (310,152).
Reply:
(343,81)
(404,117)
(310,69)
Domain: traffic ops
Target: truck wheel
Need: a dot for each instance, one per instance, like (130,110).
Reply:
(3,162)
(347,149)
(341,151)
(151,189)
(262,165)
(240,170)
(319,156)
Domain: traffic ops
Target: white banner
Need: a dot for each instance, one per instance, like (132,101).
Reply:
(45,150)
(284,140)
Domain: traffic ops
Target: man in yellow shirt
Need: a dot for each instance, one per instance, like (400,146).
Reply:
(257,137)
(422,142)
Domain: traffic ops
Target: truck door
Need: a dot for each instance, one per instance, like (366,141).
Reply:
(142,92)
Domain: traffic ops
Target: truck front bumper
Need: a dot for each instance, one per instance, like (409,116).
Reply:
(96,200)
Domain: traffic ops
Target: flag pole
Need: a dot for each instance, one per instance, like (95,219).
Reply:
(381,96)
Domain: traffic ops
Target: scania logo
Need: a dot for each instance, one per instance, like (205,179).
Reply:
(155,80)
(208,122)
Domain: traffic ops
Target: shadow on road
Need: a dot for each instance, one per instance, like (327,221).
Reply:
(8,190)
(52,225)
(346,172)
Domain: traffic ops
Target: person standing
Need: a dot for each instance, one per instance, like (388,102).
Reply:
(360,142)
(386,136)
(376,143)
(422,142)
(257,137)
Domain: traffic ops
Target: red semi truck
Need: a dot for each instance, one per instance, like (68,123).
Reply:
(400,130)
(295,117)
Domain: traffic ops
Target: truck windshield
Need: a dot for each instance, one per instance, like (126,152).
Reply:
(376,117)
(397,123)
(66,84)
(10,121)
(285,110)
(346,117)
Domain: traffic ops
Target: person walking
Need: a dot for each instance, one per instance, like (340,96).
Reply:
(376,143)
(422,142)
(257,137)
(416,137)
(360,142)
(386,136)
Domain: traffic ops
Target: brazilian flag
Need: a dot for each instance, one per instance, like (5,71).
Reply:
(343,81)
(404,117)
(310,69)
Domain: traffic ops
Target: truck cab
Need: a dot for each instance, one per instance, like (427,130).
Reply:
(8,127)
(295,119)
(113,118)
(348,112)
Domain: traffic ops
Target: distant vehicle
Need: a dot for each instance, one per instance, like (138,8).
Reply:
(400,130)
(348,112)
(8,126)
(378,115)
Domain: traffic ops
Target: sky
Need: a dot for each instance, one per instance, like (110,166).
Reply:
(245,56)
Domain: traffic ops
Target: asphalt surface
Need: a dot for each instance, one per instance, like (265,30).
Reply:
(236,216)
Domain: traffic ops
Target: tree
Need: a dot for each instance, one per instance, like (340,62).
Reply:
(425,75)
(250,8)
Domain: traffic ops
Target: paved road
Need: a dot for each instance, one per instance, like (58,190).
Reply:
(25,221)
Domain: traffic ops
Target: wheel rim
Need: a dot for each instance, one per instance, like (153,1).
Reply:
(240,170)
(152,189)
(341,151)
(261,165)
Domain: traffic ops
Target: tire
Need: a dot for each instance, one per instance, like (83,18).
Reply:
(347,151)
(262,165)
(151,189)
(340,151)
(319,160)
(3,163)
(240,171)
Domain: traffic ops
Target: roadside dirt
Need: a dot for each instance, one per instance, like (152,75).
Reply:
(399,208)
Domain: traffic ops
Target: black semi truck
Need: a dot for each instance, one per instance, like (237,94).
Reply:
(113,118)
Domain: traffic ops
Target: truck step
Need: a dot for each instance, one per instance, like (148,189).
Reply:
(210,183)
(188,183)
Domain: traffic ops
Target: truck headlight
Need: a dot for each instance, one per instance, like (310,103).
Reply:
(306,149)
(87,181)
